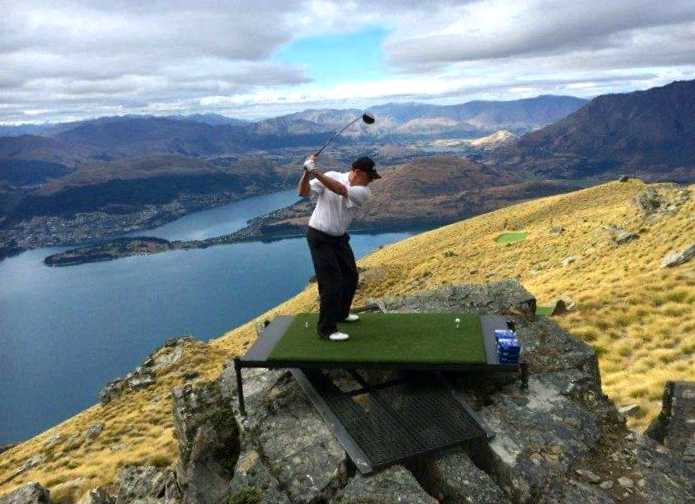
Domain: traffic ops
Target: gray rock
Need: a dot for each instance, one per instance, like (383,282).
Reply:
(606,485)
(626,482)
(297,446)
(394,485)
(31,493)
(251,477)
(649,201)
(624,237)
(147,485)
(674,427)
(208,440)
(678,258)
(623,178)
(667,479)
(97,496)
(556,230)
(589,476)
(574,492)
(661,199)
(140,378)
(454,478)
(568,260)
(145,375)
(507,297)
(539,434)
(94,430)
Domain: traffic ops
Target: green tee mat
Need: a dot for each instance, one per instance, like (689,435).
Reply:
(511,237)
(387,338)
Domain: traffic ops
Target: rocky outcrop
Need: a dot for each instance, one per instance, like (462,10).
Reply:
(660,199)
(675,425)
(506,297)
(145,485)
(145,375)
(208,438)
(560,441)
(31,493)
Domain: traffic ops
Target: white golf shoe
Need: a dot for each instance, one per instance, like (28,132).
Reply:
(338,336)
(352,318)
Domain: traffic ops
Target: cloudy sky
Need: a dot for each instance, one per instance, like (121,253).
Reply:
(252,59)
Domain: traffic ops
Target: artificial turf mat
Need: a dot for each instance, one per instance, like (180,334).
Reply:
(387,337)
(511,237)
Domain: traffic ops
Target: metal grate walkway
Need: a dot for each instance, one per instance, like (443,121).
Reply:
(384,421)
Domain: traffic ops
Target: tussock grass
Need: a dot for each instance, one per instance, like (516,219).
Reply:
(639,318)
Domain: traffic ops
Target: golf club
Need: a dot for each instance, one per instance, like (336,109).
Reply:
(367,117)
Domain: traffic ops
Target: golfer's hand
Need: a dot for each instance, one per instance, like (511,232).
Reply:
(310,163)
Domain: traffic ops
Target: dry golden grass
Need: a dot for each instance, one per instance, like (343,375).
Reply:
(639,317)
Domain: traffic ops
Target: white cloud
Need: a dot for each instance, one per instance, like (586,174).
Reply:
(70,59)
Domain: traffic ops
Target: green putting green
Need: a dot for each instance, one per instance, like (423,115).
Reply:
(387,337)
(511,237)
(544,311)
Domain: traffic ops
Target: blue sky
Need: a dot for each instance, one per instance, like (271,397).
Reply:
(337,58)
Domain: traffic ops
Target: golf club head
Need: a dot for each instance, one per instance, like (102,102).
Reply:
(368,117)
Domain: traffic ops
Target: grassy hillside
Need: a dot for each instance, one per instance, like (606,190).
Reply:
(640,317)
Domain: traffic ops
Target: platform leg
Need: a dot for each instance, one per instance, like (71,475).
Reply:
(523,371)
(239,387)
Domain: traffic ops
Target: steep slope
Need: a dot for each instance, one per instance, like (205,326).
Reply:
(639,316)
(645,133)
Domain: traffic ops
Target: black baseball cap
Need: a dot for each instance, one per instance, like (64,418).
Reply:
(366,164)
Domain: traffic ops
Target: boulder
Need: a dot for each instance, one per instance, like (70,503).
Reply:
(394,485)
(678,258)
(31,493)
(208,440)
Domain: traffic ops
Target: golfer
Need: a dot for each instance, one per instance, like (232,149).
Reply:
(339,194)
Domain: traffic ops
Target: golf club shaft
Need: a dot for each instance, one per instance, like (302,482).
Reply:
(338,133)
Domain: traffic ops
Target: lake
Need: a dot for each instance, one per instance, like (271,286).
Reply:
(66,332)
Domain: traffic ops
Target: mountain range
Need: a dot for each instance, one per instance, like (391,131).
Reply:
(649,134)
(131,161)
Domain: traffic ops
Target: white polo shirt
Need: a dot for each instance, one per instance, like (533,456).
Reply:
(333,212)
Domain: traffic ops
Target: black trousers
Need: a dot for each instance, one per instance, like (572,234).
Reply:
(336,275)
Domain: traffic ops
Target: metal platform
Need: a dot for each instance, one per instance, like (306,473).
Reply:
(380,422)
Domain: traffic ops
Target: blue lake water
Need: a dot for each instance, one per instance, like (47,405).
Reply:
(65,332)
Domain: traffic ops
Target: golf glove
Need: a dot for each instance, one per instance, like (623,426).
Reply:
(309,164)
